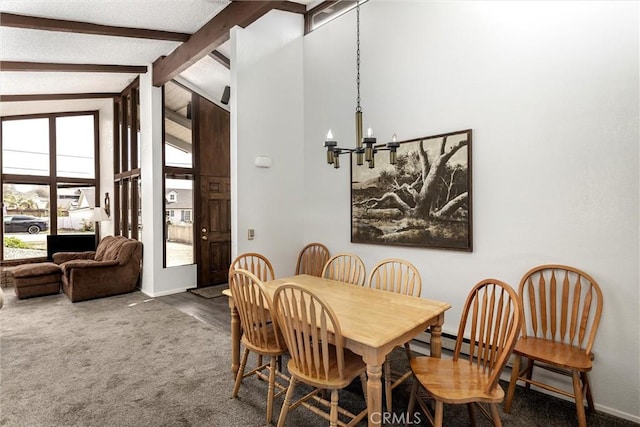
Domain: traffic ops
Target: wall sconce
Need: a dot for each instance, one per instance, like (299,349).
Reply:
(107,205)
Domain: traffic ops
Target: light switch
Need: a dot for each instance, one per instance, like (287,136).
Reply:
(251,234)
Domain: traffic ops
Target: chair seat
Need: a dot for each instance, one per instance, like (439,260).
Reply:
(353,367)
(554,353)
(455,381)
(270,348)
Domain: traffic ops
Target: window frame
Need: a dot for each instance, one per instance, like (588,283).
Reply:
(126,163)
(177,172)
(52,180)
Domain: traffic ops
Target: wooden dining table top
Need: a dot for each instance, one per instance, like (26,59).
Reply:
(368,316)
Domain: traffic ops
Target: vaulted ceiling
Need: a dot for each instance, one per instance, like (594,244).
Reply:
(73,55)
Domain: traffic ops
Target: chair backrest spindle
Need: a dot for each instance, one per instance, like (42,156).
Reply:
(493,315)
(256,263)
(571,314)
(312,259)
(254,306)
(345,267)
(306,323)
(396,275)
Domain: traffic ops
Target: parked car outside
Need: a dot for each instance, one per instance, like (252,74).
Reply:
(25,224)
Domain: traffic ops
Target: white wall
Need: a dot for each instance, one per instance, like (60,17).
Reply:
(551,92)
(267,120)
(156,280)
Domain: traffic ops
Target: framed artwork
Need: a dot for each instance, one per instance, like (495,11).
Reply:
(422,200)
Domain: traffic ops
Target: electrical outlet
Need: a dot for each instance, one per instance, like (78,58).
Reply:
(251,234)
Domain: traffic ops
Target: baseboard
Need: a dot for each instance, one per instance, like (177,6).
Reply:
(617,413)
(165,293)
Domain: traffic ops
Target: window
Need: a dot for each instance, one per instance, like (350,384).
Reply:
(25,147)
(126,155)
(25,220)
(75,209)
(178,172)
(74,146)
(327,12)
(49,167)
(179,228)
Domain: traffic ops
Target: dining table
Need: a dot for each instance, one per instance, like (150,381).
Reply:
(373,323)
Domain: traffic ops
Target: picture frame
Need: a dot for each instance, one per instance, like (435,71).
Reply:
(423,200)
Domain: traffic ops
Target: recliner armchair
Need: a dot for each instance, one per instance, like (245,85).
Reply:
(114,268)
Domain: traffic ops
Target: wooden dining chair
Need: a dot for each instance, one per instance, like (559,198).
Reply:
(318,357)
(312,259)
(401,277)
(260,334)
(562,310)
(257,264)
(492,317)
(345,267)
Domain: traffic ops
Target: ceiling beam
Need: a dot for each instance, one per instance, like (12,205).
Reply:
(290,6)
(177,118)
(178,143)
(221,58)
(209,37)
(76,68)
(56,96)
(47,24)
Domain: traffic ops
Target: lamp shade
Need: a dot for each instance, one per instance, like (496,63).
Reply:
(99,214)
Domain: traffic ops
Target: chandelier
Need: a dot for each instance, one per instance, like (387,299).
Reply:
(366,149)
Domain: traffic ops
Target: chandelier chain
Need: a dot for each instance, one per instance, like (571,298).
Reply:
(358,108)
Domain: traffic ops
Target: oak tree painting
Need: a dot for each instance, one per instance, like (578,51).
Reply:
(423,200)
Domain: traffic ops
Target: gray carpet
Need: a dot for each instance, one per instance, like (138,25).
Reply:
(127,360)
(134,361)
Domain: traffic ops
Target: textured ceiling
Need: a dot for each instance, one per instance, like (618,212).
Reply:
(27,45)
(50,46)
(184,16)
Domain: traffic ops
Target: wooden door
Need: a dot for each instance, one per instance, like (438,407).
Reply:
(213,200)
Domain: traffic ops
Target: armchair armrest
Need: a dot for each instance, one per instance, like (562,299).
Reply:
(61,257)
(87,263)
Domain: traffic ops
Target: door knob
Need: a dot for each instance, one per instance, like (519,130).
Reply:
(205,238)
(204,229)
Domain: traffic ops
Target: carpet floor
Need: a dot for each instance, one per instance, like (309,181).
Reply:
(131,360)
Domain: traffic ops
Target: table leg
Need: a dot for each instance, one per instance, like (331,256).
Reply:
(436,337)
(374,394)
(235,339)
